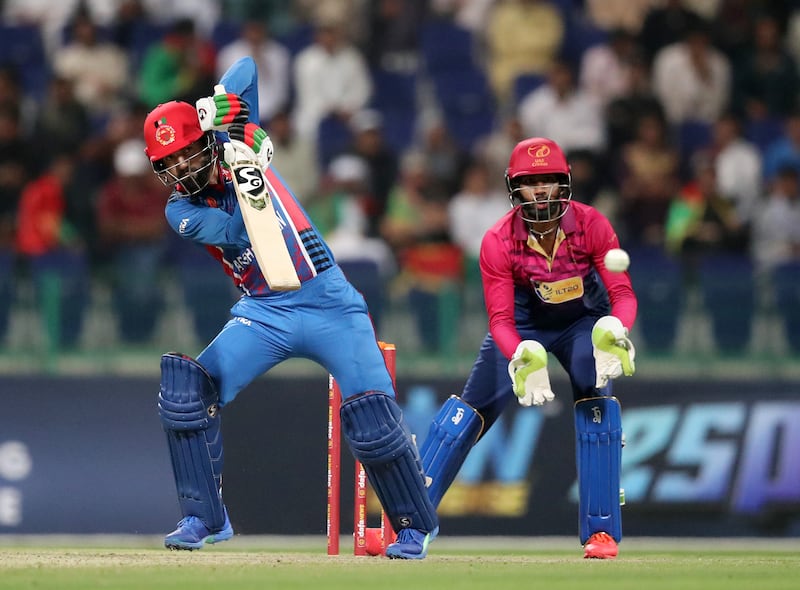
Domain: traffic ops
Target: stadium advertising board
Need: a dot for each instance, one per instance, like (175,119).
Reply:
(707,458)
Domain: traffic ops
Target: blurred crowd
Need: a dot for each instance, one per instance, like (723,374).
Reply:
(393,121)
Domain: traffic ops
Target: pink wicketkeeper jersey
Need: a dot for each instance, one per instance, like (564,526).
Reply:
(524,288)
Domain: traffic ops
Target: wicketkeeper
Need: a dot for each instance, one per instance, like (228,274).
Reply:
(547,291)
(325,320)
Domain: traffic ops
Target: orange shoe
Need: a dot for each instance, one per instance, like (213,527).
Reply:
(600,546)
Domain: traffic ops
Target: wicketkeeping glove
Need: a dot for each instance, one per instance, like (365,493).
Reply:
(528,372)
(614,353)
(250,143)
(221,110)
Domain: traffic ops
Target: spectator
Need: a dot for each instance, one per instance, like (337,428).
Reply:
(130,17)
(474,209)
(733,27)
(344,195)
(366,260)
(785,150)
(512,48)
(295,156)
(469,14)
(591,183)
(179,67)
(692,78)
(393,28)
(494,148)
(604,68)
(63,123)
(284,16)
(445,159)
(776,225)
(622,114)
(16,168)
(53,251)
(97,69)
(648,180)
(416,227)
(13,95)
(766,80)
(665,24)
(700,221)
(273,63)
(738,167)
(561,111)
(331,78)
(611,15)
(132,232)
(382,162)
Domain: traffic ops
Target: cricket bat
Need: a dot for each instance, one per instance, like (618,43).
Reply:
(260,220)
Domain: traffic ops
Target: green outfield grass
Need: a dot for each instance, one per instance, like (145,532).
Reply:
(653,565)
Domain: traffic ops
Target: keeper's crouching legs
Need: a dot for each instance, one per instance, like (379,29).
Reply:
(189,410)
(372,425)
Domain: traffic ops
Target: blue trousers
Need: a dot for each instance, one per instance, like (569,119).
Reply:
(488,388)
(325,321)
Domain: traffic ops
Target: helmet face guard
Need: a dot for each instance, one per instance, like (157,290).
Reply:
(538,180)
(192,171)
(540,197)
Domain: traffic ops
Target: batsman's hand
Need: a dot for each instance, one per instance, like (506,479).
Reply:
(528,372)
(248,143)
(614,353)
(220,111)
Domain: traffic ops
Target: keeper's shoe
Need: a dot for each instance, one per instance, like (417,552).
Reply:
(600,546)
(193,534)
(411,544)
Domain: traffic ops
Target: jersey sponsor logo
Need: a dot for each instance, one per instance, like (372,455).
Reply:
(559,291)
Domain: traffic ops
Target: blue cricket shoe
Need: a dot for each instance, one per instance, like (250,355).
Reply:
(411,544)
(193,534)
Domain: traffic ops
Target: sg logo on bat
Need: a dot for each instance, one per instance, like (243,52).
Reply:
(250,181)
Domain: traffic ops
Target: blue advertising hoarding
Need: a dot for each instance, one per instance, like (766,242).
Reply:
(704,458)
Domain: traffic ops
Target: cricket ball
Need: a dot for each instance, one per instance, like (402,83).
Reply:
(374,545)
(617,260)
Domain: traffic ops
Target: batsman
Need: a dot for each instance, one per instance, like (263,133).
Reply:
(315,314)
(547,291)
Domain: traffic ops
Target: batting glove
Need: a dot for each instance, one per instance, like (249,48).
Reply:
(614,353)
(528,372)
(255,139)
(221,110)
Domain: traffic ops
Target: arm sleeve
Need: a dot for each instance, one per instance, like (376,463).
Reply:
(207,225)
(498,292)
(242,79)
(601,238)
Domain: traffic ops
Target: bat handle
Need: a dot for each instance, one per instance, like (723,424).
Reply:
(219,89)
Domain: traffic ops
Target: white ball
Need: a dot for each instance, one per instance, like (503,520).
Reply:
(617,260)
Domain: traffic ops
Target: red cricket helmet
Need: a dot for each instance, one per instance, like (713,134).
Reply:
(169,128)
(537,156)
